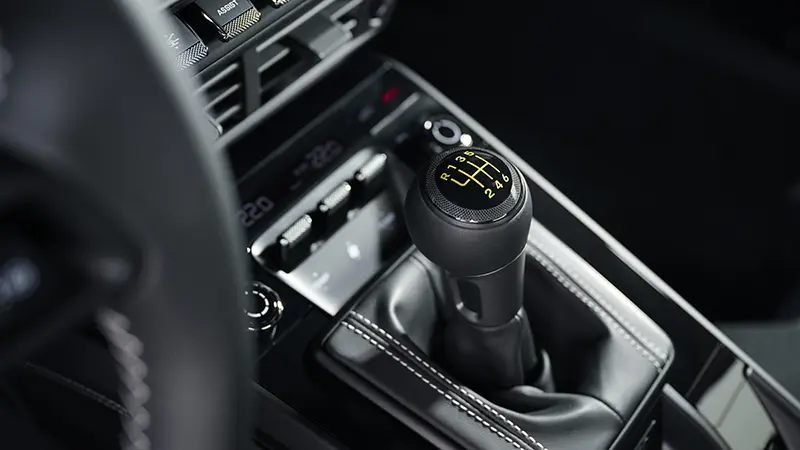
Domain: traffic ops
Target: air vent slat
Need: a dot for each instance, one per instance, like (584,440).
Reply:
(279,68)
(279,64)
(273,60)
(223,95)
(228,114)
(270,85)
(218,77)
(342,8)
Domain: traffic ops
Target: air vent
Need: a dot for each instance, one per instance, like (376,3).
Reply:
(279,64)
(224,93)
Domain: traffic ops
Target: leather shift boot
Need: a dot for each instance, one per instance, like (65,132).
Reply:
(606,358)
(504,355)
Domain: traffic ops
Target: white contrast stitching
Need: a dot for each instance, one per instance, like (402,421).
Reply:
(598,310)
(127,350)
(651,346)
(447,380)
(449,397)
(78,387)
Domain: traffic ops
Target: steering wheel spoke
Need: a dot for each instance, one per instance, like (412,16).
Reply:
(60,259)
(114,194)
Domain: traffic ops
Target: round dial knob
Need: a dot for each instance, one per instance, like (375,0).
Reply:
(264,308)
(469,211)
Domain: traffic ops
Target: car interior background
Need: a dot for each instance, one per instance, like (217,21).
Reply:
(467,224)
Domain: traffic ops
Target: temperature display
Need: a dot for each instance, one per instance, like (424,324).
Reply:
(284,186)
(252,212)
(318,158)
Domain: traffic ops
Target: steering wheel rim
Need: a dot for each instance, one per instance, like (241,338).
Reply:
(92,101)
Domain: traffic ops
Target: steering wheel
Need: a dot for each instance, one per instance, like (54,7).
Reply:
(115,208)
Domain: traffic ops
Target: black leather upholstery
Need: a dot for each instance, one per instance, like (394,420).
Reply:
(606,356)
(502,356)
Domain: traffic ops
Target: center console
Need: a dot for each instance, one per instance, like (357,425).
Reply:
(489,332)
(416,284)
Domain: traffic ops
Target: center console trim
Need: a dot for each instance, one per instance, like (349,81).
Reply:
(558,259)
(699,355)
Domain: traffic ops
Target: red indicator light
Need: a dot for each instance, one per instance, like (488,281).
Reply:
(390,94)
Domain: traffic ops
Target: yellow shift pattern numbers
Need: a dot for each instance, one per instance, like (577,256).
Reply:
(477,169)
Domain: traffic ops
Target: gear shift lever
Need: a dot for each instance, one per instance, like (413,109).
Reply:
(469,212)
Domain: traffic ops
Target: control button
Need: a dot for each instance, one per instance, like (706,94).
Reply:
(295,243)
(230,17)
(186,45)
(264,308)
(444,133)
(369,178)
(333,208)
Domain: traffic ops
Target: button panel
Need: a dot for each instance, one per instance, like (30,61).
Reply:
(229,17)
(294,244)
(300,238)
(357,252)
(368,180)
(349,234)
(332,210)
(185,43)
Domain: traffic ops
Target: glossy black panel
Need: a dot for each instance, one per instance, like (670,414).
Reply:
(295,307)
(283,158)
(351,257)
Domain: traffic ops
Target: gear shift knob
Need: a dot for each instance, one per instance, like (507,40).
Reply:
(469,212)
